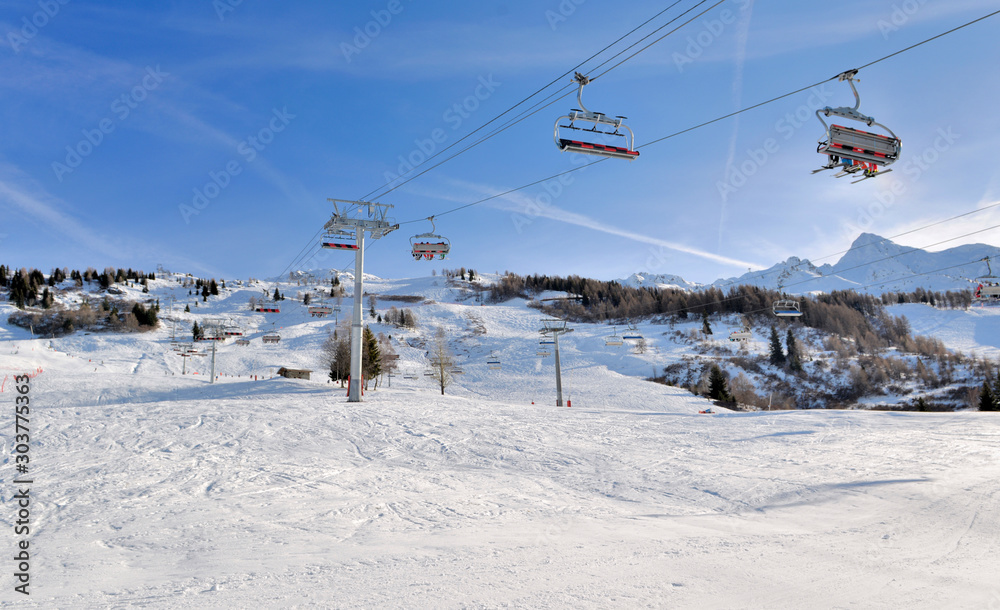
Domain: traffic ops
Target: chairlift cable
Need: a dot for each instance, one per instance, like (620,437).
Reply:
(510,124)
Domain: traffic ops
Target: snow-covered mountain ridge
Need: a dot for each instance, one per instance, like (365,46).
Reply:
(873,265)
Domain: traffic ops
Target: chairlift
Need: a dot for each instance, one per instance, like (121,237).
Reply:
(320,310)
(543,353)
(632,334)
(493,363)
(614,339)
(599,120)
(271,337)
(852,150)
(547,342)
(339,239)
(988,286)
(740,335)
(429,246)
(243,342)
(786,309)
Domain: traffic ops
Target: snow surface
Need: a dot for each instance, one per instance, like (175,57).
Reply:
(153,489)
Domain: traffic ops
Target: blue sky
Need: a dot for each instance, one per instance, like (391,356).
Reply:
(117,118)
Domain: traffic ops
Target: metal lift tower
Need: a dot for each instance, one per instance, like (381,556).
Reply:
(554,328)
(358,217)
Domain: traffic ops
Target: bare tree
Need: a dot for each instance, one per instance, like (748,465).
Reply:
(441,359)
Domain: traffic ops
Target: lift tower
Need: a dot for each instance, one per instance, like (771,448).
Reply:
(356,217)
(554,328)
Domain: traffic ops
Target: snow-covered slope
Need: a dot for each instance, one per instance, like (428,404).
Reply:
(156,489)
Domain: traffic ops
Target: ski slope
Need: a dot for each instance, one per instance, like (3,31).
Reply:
(160,490)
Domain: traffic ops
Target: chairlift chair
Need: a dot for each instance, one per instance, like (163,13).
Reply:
(268,339)
(614,339)
(543,353)
(320,310)
(631,333)
(740,335)
(786,309)
(267,308)
(598,119)
(339,239)
(429,246)
(852,150)
(988,286)
(243,342)
(493,363)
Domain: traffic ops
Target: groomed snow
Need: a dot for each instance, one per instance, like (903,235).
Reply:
(153,489)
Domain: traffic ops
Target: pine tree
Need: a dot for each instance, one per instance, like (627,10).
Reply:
(371,356)
(277,295)
(794,360)
(987,400)
(187,309)
(705,326)
(717,389)
(197,332)
(777,356)
(213,288)
(996,391)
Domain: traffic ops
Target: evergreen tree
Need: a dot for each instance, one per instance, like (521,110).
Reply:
(987,400)
(705,326)
(794,360)
(187,309)
(205,292)
(213,288)
(371,356)
(717,389)
(47,299)
(197,332)
(307,299)
(996,391)
(777,356)
(277,295)
(3,276)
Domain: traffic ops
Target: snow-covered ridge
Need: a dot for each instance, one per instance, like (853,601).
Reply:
(872,265)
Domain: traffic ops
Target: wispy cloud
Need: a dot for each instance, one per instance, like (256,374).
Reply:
(29,200)
(518,203)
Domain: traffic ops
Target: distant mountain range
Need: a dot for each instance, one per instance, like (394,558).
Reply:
(873,265)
